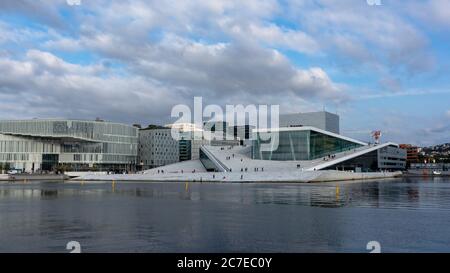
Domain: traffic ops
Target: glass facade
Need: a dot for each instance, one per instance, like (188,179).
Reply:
(81,130)
(322,145)
(29,144)
(300,145)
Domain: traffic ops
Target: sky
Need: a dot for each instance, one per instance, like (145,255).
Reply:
(380,67)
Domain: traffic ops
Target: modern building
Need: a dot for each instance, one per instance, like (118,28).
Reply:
(412,153)
(157,148)
(191,138)
(325,150)
(381,157)
(217,129)
(241,132)
(300,143)
(185,127)
(185,149)
(48,145)
(322,120)
(295,145)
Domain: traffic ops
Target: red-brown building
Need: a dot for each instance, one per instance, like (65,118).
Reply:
(412,153)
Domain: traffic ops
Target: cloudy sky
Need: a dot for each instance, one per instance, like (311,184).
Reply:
(379,67)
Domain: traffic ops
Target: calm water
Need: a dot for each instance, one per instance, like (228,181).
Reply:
(410,215)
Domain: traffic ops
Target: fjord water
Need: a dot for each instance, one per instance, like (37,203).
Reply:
(403,215)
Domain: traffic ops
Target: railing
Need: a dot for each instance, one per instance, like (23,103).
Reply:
(215,160)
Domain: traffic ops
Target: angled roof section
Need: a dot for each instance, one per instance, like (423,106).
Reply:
(360,152)
(307,128)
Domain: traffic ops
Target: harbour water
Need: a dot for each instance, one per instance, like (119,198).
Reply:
(403,215)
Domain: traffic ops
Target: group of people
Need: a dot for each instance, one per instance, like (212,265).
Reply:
(329,157)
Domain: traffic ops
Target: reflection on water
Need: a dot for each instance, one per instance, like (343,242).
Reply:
(407,214)
(406,193)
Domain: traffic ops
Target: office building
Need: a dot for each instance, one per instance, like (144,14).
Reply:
(242,133)
(216,129)
(49,145)
(157,148)
(191,138)
(412,153)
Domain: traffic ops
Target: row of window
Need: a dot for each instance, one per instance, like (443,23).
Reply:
(23,146)
(14,157)
(15,146)
(102,131)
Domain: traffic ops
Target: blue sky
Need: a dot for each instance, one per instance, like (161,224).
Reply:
(379,67)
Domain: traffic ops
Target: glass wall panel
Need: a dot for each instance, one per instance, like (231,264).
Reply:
(322,145)
(292,145)
(300,145)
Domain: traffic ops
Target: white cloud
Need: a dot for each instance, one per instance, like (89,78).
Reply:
(63,44)
(44,85)
(228,69)
(376,36)
(274,36)
(434,12)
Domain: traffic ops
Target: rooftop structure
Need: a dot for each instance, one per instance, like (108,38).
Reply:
(322,120)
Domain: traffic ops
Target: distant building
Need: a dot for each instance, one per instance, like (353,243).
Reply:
(412,153)
(185,127)
(217,129)
(49,144)
(323,120)
(241,132)
(157,148)
(185,149)
(191,139)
